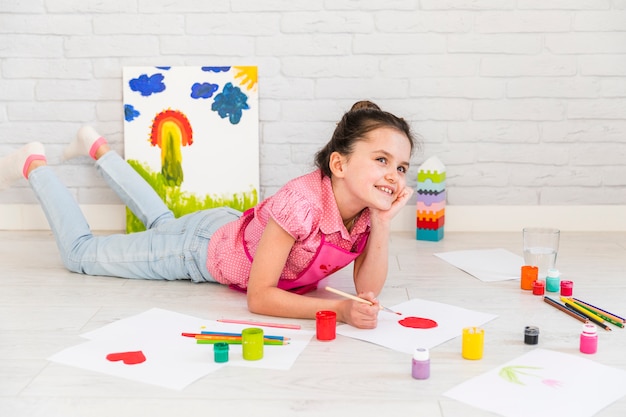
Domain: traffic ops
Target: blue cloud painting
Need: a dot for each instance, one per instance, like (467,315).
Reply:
(147,85)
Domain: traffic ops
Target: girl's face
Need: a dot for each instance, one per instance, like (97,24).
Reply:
(375,173)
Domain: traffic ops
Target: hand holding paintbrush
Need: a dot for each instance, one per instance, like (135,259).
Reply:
(360,300)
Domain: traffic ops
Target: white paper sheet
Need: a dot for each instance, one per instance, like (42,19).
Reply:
(544,383)
(173,361)
(486,264)
(170,365)
(389,333)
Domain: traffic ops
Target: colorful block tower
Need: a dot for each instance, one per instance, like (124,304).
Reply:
(431,200)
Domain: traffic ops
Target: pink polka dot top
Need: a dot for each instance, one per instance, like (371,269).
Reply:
(305,207)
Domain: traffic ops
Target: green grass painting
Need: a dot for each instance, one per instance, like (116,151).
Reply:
(193,134)
(181,202)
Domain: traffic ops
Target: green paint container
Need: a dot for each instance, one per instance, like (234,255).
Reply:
(220,352)
(252,341)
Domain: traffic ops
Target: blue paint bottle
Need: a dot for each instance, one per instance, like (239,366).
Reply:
(553,279)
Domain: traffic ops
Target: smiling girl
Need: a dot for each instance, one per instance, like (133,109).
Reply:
(275,252)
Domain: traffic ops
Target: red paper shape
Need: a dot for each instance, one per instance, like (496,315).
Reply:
(129,358)
(418,323)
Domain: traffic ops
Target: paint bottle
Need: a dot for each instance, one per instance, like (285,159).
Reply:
(473,341)
(420,364)
(252,343)
(529,275)
(567,288)
(325,325)
(531,335)
(220,352)
(553,280)
(538,287)
(589,339)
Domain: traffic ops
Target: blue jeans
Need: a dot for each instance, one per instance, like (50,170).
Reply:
(171,248)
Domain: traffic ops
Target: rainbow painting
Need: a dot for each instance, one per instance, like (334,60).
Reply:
(193,134)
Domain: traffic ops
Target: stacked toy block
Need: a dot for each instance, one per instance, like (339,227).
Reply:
(431,200)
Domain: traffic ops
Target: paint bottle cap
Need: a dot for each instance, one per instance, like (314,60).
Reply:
(589,329)
(421,354)
(553,273)
(531,330)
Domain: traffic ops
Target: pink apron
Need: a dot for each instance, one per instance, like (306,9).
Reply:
(328,259)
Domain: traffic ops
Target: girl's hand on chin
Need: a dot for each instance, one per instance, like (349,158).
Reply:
(403,197)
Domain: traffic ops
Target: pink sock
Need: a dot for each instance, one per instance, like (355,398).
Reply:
(95,146)
(29,160)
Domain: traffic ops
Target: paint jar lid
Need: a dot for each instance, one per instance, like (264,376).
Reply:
(531,330)
(421,354)
(589,329)
(553,273)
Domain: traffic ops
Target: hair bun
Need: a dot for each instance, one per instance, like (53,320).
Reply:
(364,105)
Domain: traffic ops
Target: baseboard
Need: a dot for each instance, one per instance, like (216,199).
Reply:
(515,218)
(457,218)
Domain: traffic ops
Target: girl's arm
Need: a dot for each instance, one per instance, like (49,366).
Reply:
(264,297)
(370,268)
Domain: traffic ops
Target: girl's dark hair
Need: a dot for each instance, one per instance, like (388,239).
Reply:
(363,117)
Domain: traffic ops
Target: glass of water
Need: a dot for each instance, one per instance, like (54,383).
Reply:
(541,245)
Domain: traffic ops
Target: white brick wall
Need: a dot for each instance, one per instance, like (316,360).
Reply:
(524,101)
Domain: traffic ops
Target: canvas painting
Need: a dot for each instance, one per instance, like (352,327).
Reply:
(193,134)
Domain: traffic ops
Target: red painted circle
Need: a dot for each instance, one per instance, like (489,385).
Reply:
(418,323)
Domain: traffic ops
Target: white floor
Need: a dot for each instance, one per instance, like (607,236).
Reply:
(44,309)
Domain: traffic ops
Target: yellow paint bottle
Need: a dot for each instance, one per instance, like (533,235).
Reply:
(473,341)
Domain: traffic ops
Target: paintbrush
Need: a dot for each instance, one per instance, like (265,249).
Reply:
(360,300)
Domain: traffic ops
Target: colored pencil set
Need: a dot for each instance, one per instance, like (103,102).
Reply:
(210,338)
(585,312)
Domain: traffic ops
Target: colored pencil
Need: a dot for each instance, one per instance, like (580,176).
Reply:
(221,337)
(261,324)
(600,323)
(593,317)
(599,311)
(266,336)
(561,307)
(359,299)
(602,316)
(211,337)
(239,342)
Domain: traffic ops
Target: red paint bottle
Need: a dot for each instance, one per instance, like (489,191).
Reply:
(325,324)
(538,287)
(567,288)
(421,364)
